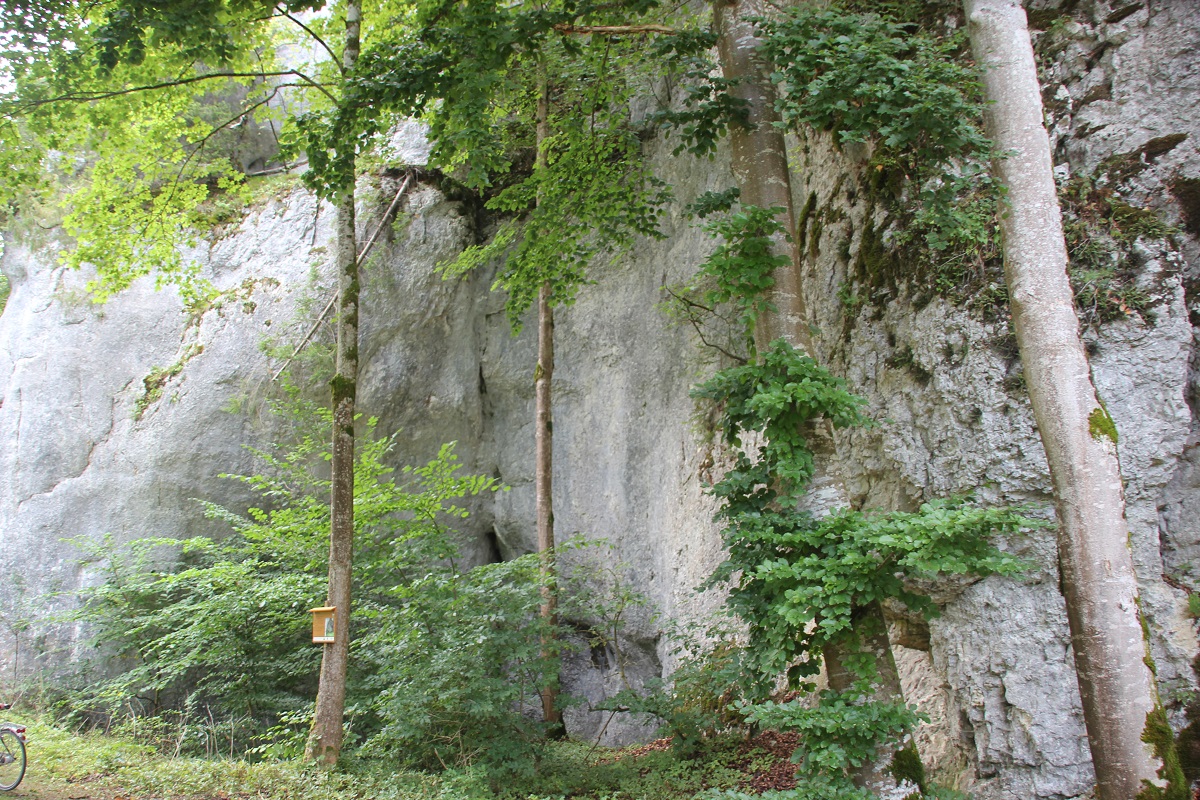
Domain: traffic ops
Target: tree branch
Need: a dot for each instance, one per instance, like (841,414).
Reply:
(690,304)
(315,38)
(613,30)
(88,97)
(365,251)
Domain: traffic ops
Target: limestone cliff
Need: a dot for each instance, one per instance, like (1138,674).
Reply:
(113,418)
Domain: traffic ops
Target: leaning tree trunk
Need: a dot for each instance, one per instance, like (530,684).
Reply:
(325,739)
(544,443)
(760,167)
(1080,440)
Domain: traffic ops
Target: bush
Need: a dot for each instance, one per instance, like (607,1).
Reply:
(458,662)
(215,628)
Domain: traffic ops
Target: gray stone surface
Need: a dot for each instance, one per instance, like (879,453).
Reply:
(947,386)
(440,363)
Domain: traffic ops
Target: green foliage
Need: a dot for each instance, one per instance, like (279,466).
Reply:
(208,29)
(732,286)
(1100,230)
(841,732)
(115,765)
(710,203)
(707,108)
(224,624)
(577,770)
(688,725)
(131,168)
(134,214)
(866,78)
(879,76)
(801,580)
(797,582)
(741,268)
(591,194)
(775,397)
(820,787)
(454,661)
(955,214)
(594,196)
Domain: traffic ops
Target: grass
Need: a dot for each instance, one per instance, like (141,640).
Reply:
(65,765)
(71,766)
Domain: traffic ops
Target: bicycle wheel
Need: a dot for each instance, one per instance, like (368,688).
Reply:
(12,760)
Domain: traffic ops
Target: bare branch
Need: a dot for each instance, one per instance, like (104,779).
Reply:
(361,256)
(613,30)
(277,170)
(89,97)
(690,304)
(315,37)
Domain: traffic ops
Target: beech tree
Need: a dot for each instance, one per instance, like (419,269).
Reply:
(496,82)
(325,739)
(760,167)
(1078,435)
(147,203)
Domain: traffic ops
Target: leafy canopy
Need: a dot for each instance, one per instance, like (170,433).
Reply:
(128,139)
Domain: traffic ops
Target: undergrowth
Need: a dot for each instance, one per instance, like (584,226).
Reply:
(63,761)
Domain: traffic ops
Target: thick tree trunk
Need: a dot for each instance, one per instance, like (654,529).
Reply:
(760,166)
(544,440)
(871,628)
(1080,441)
(325,739)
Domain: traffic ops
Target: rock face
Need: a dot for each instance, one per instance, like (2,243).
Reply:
(114,418)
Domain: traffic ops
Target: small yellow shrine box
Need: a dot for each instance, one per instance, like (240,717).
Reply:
(324,630)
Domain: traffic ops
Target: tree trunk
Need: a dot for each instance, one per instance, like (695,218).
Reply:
(1115,682)
(760,166)
(325,738)
(870,626)
(544,440)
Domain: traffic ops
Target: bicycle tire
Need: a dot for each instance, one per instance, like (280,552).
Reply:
(12,759)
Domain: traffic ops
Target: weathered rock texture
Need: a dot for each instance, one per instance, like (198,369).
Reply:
(78,459)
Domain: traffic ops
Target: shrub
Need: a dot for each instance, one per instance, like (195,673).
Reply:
(216,626)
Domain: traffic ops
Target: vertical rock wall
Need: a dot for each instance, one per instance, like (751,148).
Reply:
(1120,86)
(113,418)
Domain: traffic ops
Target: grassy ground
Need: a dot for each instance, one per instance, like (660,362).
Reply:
(69,766)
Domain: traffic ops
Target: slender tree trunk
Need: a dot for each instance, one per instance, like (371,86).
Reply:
(544,440)
(325,739)
(1115,682)
(760,166)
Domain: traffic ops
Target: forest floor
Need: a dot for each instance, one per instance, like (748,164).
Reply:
(70,766)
